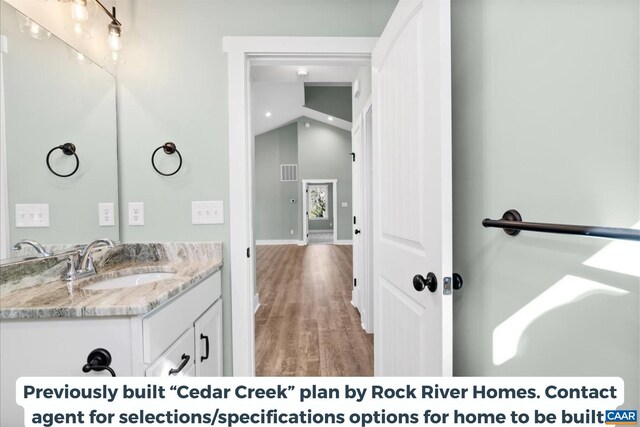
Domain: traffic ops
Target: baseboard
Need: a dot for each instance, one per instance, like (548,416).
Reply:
(343,242)
(330,230)
(301,243)
(256,302)
(276,242)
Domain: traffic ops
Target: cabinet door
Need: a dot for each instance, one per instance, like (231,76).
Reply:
(208,329)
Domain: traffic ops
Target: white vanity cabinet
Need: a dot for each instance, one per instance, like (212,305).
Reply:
(184,333)
(169,340)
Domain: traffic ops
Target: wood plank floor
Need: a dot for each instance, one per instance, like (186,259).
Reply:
(306,325)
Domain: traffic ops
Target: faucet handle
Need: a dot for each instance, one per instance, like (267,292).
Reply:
(71,269)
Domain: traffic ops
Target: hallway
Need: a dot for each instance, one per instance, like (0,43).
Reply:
(306,325)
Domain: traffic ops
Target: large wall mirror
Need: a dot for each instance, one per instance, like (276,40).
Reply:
(54,96)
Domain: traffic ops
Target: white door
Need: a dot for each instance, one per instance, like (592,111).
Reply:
(208,336)
(357,184)
(411,68)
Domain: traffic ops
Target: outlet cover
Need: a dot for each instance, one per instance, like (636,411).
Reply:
(207,212)
(136,213)
(106,215)
(32,215)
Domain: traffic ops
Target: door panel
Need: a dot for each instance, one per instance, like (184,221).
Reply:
(412,187)
(208,337)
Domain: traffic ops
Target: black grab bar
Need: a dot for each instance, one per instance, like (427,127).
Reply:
(512,224)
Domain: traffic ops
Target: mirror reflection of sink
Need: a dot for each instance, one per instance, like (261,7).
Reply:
(129,281)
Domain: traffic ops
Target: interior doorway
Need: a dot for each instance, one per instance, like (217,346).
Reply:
(306,319)
(320,211)
(243,54)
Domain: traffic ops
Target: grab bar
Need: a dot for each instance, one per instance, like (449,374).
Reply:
(512,224)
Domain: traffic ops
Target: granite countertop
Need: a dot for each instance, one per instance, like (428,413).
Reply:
(34,289)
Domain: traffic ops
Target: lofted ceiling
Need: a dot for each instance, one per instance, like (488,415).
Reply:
(279,90)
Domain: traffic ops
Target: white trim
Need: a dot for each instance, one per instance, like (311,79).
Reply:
(256,302)
(305,206)
(240,51)
(284,46)
(277,242)
(367,160)
(343,242)
(5,238)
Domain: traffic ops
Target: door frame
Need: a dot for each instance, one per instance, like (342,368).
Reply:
(365,121)
(241,52)
(305,207)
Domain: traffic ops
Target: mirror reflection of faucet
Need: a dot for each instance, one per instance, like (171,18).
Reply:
(84,266)
(37,246)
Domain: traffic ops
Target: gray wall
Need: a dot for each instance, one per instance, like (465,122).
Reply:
(326,223)
(274,216)
(173,87)
(545,110)
(319,152)
(332,100)
(323,153)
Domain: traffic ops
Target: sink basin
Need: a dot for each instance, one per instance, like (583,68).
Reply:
(129,281)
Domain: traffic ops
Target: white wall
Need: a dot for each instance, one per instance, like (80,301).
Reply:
(546,119)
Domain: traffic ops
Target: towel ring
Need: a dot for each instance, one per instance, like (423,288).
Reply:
(70,150)
(168,148)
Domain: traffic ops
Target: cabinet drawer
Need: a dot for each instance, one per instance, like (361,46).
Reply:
(175,358)
(164,325)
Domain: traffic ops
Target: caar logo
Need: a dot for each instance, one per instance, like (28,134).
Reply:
(622,417)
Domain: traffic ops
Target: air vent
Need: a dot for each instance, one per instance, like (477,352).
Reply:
(288,172)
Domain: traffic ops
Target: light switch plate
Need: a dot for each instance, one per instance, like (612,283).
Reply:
(106,215)
(32,215)
(136,213)
(207,212)
(345,204)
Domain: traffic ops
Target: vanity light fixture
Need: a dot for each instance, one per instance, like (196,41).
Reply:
(115,31)
(303,72)
(31,28)
(82,12)
(267,114)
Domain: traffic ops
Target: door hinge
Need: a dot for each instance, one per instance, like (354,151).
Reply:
(353,157)
(354,220)
(355,282)
(248,252)
(446,289)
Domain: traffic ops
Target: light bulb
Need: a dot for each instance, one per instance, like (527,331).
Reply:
(79,12)
(34,29)
(115,41)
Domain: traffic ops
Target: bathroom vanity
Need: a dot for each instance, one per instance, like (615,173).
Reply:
(168,323)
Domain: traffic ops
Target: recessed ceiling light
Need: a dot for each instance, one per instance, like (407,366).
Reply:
(307,125)
(303,72)
(267,114)
(330,118)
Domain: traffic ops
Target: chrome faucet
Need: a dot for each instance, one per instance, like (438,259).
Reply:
(85,266)
(37,246)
